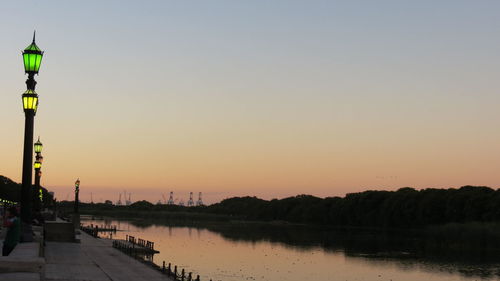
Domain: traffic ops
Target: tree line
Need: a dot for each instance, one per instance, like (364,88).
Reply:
(10,190)
(405,207)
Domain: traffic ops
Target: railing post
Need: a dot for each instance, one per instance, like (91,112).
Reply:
(189,277)
(197,277)
(169,269)
(182,275)
(175,272)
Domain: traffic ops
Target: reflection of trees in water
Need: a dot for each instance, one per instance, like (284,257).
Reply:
(469,250)
(407,249)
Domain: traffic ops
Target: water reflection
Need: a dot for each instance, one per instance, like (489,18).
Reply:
(243,251)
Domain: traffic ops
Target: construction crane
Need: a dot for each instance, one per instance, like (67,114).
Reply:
(199,202)
(119,203)
(129,201)
(171,199)
(190,202)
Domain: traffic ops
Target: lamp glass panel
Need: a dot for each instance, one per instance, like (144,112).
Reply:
(30,102)
(32,62)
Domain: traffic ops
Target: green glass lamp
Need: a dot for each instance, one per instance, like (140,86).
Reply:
(38,146)
(32,57)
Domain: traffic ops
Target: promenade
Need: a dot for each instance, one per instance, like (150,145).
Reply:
(93,260)
(90,260)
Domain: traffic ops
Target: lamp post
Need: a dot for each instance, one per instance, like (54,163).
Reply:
(77,191)
(76,215)
(32,57)
(38,174)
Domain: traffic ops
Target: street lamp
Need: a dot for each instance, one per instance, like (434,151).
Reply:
(38,173)
(76,215)
(38,146)
(77,191)
(32,57)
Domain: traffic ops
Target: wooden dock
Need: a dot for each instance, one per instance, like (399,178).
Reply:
(140,246)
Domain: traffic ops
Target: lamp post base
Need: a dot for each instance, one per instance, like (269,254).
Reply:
(26,233)
(76,220)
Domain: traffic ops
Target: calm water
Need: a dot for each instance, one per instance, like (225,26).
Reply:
(231,252)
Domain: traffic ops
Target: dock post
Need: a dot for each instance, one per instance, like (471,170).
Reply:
(163,268)
(190,277)
(182,275)
(169,269)
(197,277)
(175,272)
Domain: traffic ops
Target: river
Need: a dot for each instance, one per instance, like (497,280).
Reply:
(264,252)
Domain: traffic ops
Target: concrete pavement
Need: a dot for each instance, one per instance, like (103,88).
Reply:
(94,260)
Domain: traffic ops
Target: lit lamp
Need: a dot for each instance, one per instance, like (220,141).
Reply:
(32,58)
(38,146)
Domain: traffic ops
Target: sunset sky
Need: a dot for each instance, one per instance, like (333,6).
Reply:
(264,98)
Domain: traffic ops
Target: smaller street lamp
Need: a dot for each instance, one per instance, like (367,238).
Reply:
(76,215)
(38,146)
(77,191)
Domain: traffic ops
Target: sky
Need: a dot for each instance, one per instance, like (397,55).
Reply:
(261,98)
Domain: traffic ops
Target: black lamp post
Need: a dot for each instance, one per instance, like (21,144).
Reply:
(76,215)
(77,191)
(38,174)
(32,57)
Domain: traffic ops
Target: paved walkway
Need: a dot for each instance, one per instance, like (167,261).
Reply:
(94,260)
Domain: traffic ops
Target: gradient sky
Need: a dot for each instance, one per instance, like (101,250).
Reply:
(265,98)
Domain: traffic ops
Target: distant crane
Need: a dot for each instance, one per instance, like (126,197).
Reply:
(129,201)
(199,202)
(190,202)
(171,199)
(119,203)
